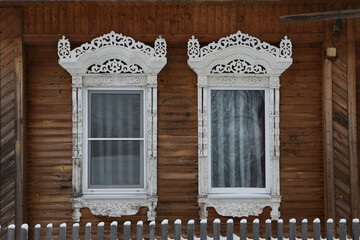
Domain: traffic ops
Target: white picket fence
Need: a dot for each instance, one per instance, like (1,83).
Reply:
(343,235)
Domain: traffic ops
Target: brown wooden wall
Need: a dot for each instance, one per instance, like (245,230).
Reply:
(8,132)
(11,112)
(49,101)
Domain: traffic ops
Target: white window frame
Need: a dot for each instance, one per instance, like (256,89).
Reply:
(244,192)
(117,62)
(113,191)
(239,61)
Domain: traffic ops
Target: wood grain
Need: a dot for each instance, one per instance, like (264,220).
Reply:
(48,102)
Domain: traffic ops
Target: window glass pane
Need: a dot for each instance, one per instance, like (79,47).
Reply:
(115,115)
(116,163)
(237,138)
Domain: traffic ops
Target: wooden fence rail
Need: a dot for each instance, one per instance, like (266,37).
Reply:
(203,230)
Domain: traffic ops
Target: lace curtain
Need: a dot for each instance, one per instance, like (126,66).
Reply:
(237,138)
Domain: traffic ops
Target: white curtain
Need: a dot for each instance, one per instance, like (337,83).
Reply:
(237,138)
(115,162)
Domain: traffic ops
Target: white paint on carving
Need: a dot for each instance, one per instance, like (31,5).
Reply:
(241,61)
(112,61)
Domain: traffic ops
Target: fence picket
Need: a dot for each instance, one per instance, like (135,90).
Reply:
(164,229)
(243,226)
(355,228)
(139,230)
(75,231)
(177,229)
(342,229)
(216,229)
(203,229)
(229,229)
(152,230)
(88,231)
(11,232)
(49,231)
(190,230)
(127,230)
(24,232)
(62,233)
(113,230)
(100,231)
(267,229)
(37,232)
(280,229)
(316,226)
(256,229)
(330,229)
(304,229)
(292,229)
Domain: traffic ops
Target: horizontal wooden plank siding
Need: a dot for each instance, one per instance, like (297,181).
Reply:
(49,102)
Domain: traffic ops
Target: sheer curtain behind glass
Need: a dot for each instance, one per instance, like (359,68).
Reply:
(237,138)
(116,139)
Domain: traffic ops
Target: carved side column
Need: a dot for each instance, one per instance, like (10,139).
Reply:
(203,147)
(151,111)
(77,143)
(275,145)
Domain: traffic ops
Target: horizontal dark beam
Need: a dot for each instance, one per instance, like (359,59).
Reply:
(319,16)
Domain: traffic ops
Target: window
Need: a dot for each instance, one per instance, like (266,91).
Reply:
(237,141)
(114,93)
(115,140)
(238,121)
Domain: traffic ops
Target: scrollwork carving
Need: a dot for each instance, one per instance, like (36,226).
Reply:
(114,66)
(238,66)
(238,39)
(285,52)
(193,48)
(110,39)
(112,209)
(63,48)
(160,47)
(242,81)
(245,209)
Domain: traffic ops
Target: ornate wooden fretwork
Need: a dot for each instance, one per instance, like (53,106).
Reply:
(240,61)
(114,66)
(238,66)
(113,61)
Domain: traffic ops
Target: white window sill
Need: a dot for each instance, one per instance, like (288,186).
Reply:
(240,205)
(114,205)
(244,196)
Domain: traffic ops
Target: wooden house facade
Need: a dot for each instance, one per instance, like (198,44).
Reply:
(319,104)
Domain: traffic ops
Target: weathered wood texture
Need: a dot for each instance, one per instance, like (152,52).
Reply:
(8,132)
(341,158)
(49,102)
(357,64)
(11,165)
(341,131)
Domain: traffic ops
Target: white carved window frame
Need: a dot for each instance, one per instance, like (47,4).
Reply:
(117,62)
(239,61)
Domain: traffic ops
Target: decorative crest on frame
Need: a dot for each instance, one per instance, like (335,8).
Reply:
(114,66)
(110,39)
(282,54)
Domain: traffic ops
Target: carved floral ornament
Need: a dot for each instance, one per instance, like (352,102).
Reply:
(97,57)
(110,39)
(112,61)
(239,61)
(282,54)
